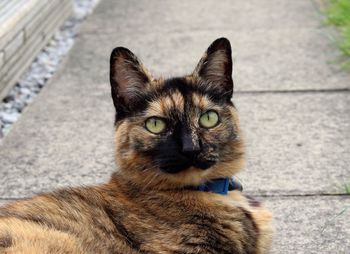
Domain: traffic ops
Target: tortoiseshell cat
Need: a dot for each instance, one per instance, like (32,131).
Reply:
(172,135)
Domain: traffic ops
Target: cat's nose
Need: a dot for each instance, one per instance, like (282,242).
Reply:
(190,144)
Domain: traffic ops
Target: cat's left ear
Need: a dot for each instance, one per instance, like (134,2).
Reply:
(129,81)
(215,68)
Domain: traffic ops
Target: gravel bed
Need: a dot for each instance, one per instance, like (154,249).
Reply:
(43,67)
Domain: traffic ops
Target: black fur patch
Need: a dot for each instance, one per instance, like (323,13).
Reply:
(130,238)
(6,241)
(178,151)
(180,84)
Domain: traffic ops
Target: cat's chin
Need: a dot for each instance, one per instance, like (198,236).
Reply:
(203,165)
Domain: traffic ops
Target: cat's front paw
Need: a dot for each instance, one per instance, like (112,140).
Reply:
(261,216)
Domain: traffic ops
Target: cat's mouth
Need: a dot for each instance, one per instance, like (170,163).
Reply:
(179,166)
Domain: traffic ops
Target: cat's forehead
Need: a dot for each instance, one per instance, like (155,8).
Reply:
(177,96)
(166,103)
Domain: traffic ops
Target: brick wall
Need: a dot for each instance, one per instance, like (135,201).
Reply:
(26,26)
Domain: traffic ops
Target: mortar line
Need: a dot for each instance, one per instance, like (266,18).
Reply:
(303,195)
(335,90)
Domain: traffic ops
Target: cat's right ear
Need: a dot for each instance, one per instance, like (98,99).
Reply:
(215,68)
(129,80)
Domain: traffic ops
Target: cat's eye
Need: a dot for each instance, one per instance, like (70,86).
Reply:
(155,125)
(209,119)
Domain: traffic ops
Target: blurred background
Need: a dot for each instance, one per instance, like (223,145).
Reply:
(292,84)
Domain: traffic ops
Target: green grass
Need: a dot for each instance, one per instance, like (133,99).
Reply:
(347,188)
(338,14)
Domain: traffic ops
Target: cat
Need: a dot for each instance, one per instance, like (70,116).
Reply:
(172,136)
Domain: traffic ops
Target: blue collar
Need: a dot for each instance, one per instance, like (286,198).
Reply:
(220,186)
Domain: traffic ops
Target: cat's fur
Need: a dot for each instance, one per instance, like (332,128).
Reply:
(147,206)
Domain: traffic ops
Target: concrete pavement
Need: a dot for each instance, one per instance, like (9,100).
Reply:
(292,96)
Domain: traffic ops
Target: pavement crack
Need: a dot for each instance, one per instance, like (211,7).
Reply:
(299,91)
(302,195)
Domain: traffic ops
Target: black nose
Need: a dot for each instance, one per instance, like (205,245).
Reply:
(190,144)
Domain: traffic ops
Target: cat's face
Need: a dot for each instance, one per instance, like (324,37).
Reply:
(180,131)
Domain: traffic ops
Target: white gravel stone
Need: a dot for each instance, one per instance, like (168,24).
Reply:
(25,90)
(9,117)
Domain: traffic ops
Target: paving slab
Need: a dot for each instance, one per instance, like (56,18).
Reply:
(63,139)
(311,224)
(263,59)
(276,45)
(143,17)
(297,143)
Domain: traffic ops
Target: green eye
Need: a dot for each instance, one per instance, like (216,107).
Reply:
(155,125)
(209,119)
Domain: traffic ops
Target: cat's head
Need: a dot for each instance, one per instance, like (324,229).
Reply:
(180,131)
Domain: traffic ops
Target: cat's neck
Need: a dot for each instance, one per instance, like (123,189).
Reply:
(219,186)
